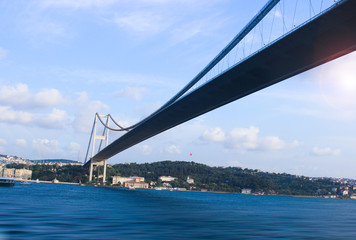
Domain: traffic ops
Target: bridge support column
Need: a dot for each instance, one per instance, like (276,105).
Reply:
(104,138)
(104,173)
(91,172)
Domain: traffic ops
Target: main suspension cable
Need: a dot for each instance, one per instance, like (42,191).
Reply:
(110,128)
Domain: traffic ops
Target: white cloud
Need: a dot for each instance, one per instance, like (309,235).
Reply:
(57,115)
(48,98)
(21,142)
(183,19)
(325,151)
(3,141)
(173,149)
(145,149)
(74,148)
(246,139)
(2,149)
(243,138)
(55,119)
(86,111)
(38,104)
(19,96)
(131,92)
(7,114)
(13,96)
(296,143)
(215,135)
(272,143)
(45,147)
(3,53)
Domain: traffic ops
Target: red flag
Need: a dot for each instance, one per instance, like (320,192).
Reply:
(191,154)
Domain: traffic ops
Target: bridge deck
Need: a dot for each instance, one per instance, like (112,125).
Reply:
(323,39)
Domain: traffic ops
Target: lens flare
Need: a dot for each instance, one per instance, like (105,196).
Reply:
(337,83)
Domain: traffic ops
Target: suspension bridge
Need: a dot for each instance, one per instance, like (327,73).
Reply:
(326,33)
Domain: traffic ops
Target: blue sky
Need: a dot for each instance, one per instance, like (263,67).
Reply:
(61,61)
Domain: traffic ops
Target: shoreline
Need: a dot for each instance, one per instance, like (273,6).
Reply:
(42,181)
(221,192)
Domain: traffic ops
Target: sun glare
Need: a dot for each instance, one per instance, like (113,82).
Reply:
(337,83)
(347,82)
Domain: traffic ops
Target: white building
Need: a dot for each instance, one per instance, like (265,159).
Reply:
(122,180)
(17,173)
(190,180)
(23,173)
(167,178)
(134,184)
(246,191)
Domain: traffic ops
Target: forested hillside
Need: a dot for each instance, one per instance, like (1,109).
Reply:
(228,179)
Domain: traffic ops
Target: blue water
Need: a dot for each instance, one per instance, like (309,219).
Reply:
(55,211)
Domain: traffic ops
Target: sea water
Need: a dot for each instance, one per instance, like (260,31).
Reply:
(56,211)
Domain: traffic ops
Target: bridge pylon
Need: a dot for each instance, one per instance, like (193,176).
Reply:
(103,138)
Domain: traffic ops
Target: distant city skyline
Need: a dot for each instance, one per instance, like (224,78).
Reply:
(63,61)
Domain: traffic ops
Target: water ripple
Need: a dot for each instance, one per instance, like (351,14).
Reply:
(53,211)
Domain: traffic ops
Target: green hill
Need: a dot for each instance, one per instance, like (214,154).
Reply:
(229,179)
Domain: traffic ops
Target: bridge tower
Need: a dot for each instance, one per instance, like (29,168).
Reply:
(104,142)
(104,137)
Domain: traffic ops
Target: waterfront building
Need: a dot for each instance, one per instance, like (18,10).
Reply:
(167,178)
(16,173)
(162,188)
(122,180)
(330,196)
(23,173)
(8,172)
(134,184)
(246,191)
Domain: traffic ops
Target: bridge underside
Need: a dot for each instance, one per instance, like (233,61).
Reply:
(327,37)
